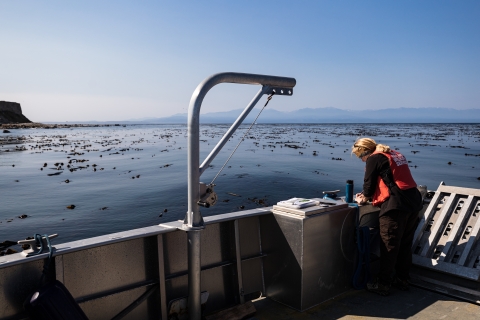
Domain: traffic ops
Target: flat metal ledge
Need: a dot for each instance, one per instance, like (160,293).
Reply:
(231,216)
(237,215)
(458,190)
(445,267)
(68,247)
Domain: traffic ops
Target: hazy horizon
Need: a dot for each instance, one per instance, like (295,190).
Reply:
(314,115)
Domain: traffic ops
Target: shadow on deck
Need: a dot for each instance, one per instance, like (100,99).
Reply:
(414,304)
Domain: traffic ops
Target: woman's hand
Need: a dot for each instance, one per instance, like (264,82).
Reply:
(360,198)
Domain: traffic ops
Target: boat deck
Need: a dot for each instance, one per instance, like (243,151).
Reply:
(417,303)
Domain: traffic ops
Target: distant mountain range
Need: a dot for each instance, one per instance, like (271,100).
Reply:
(320,115)
(334,115)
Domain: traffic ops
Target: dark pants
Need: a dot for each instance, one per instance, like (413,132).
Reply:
(397,229)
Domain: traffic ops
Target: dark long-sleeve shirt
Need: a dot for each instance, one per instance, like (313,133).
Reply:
(404,200)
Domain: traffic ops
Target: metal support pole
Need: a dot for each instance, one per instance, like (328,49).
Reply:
(239,262)
(194,269)
(161,277)
(193,222)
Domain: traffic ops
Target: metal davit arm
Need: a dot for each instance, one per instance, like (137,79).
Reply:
(269,84)
(193,222)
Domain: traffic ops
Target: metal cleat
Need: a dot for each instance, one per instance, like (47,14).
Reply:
(29,246)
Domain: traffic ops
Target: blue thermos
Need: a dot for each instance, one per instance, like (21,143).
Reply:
(349,191)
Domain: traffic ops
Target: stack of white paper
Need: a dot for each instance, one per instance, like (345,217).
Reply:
(298,203)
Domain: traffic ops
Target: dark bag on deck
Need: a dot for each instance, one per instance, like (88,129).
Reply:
(53,302)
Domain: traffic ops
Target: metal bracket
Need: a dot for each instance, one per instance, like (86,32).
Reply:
(186,227)
(32,247)
(208,197)
(282,91)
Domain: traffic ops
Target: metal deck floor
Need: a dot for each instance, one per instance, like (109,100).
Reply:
(416,303)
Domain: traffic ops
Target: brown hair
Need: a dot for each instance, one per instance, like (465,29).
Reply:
(365,146)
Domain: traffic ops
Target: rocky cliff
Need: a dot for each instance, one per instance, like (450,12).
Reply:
(11,112)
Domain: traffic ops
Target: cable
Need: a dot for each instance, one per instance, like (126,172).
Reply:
(243,138)
(341,238)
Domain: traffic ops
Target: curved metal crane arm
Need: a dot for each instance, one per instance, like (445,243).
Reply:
(193,218)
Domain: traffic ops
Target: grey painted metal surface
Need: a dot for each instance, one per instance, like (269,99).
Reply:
(107,273)
(447,236)
(193,222)
(447,241)
(101,269)
(73,246)
(305,264)
(107,307)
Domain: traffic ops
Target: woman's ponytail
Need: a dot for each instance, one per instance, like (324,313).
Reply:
(382,148)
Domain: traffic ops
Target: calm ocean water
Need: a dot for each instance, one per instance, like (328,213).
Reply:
(120,178)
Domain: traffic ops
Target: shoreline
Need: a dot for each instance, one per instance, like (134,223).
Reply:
(37,125)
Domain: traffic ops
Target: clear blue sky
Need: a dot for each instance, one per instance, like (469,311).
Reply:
(119,60)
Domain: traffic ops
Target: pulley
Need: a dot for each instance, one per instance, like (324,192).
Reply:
(208,197)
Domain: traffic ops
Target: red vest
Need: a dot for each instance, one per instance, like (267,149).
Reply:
(401,175)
